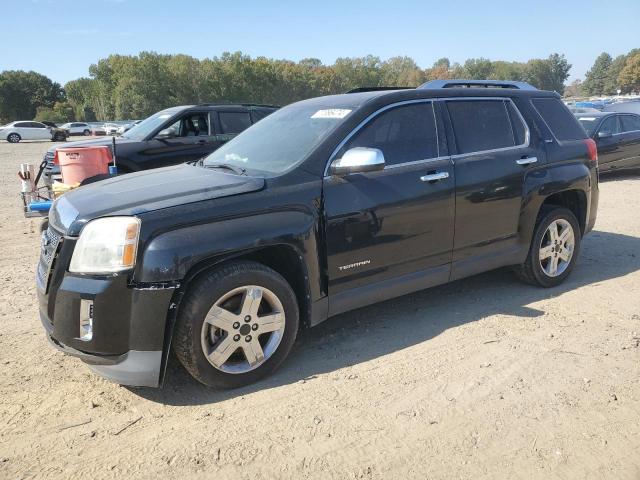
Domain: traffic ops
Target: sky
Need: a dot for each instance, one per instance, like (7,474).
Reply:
(61,38)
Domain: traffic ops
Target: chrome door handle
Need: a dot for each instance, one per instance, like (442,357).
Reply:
(434,177)
(527,161)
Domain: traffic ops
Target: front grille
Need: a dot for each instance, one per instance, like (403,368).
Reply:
(49,247)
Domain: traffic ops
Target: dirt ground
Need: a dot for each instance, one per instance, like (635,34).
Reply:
(480,379)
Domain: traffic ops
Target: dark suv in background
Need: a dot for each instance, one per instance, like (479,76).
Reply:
(171,136)
(327,205)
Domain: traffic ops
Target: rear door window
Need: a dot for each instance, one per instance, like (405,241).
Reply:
(234,122)
(404,134)
(481,125)
(559,119)
(630,123)
(610,125)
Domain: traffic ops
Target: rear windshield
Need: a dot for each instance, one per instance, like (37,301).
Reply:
(562,123)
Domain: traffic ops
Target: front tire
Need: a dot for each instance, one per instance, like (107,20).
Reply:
(13,138)
(236,324)
(86,133)
(554,248)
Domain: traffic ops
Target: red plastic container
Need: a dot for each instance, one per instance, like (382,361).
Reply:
(80,163)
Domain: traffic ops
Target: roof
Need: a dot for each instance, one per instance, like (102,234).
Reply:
(356,100)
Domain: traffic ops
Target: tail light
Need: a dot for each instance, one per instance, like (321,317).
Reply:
(56,161)
(592,150)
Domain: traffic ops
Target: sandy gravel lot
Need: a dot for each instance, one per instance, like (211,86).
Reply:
(484,378)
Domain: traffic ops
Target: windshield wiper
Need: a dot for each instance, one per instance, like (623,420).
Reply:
(225,166)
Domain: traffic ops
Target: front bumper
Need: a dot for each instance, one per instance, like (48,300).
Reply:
(129,326)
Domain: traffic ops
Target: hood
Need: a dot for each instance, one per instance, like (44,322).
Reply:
(137,193)
(94,142)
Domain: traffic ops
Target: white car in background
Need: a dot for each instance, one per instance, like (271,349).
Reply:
(127,126)
(22,130)
(111,128)
(77,128)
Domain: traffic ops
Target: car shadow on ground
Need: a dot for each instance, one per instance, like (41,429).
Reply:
(383,328)
(630,174)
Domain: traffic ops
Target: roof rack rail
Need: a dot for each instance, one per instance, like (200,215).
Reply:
(461,83)
(377,89)
(232,104)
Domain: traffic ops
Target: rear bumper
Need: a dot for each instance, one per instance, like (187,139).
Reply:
(128,326)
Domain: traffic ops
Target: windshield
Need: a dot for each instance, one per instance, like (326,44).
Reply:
(589,124)
(280,141)
(148,125)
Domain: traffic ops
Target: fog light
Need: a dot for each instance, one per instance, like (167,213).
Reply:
(86,320)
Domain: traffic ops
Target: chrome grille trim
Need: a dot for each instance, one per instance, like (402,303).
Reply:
(49,247)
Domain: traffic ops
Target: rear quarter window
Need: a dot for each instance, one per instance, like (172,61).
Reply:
(559,119)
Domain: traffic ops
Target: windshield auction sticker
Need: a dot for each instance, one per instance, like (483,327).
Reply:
(331,113)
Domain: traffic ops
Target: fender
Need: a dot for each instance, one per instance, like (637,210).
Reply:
(540,184)
(169,256)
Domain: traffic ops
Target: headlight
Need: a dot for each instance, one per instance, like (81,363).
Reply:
(106,245)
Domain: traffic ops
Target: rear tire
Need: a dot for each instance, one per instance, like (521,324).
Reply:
(223,337)
(13,138)
(554,248)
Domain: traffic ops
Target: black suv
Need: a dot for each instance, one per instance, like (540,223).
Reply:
(172,136)
(327,205)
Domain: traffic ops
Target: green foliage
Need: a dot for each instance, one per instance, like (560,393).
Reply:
(629,78)
(605,76)
(22,93)
(135,86)
(61,112)
(596,78)
(549,74)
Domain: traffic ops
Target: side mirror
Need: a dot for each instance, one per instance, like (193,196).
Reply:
(605,135)
(358,160)
(166,133)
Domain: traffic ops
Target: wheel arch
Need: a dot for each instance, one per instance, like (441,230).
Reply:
(285,259)
(574,200)
(282,258)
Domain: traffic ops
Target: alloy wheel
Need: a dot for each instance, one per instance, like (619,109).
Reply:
(556,248)
(243,329)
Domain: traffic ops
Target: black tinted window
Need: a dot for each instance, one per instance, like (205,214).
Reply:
(192,125)
(560,120)
(481,125)
(630,123)
(404,134)
(234,122)
(610,125)
(22,125)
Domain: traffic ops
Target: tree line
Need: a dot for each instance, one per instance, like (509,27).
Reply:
(135,86)
(608,75)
